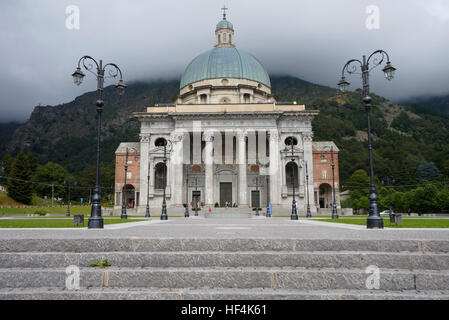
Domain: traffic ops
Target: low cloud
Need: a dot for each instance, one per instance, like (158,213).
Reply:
(157,39)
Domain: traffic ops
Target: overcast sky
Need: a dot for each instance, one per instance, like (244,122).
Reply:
(157,39)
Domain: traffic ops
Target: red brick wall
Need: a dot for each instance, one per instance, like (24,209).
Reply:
(319,166)
(133,167)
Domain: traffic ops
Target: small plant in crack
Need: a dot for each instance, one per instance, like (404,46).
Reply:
(99,264)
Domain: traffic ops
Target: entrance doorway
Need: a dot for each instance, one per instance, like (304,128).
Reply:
(225,193)
(325,193)
(255,199)
(196,199)
(129,196)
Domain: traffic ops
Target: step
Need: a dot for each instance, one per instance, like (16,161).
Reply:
(229,213)
(242,278)
(215,294)
(135,244)
(318,259)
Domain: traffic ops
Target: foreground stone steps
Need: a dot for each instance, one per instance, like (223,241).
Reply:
(241,278)
(319,259)
(232,245)
(197,268)
(46,293)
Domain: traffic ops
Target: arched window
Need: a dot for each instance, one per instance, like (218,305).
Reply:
(224,37)
(246,98)
(230,38)
(203,98)
(160,176)
(219,39)
(160,142)
(291,173)
(288,141)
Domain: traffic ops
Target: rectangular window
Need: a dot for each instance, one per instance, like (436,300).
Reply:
(129,175)
(324,174)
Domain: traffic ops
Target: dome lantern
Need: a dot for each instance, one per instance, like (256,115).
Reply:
(224,32)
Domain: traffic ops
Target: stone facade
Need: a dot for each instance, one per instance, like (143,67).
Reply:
(225,140)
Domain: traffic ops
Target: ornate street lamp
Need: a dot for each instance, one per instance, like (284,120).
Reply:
(196,202)
(334,204)
(186,212)
(309,214)
(374,220)
(257,189)
(268,214)
(96,220)
(68,199)
(124,215)
(147,210)
(162,142)
(294,215)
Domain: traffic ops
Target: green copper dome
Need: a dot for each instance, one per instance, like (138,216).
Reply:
(225,62)
(223,24)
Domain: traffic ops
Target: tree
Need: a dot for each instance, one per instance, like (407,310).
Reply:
(20,187)
(425,199)
(443,200)
(427,171)
(33,161)
(48,175)
(359,181)
(445,168)
(6,166)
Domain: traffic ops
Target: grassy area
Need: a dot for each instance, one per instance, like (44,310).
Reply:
(54,223)
(7,201)
(406,223)
(61,209)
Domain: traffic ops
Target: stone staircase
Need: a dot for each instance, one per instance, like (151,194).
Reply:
(171,268)
(231,213)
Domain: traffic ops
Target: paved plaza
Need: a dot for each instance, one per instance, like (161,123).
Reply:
(253,228)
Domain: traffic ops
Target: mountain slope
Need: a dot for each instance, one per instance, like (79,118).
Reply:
(6,132)
(403,137)
(436,103)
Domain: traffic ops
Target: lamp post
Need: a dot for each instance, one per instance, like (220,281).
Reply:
(294,215)
(147,210)
(68,200)
(257,189)
(389,180)
(334,204)
(374,220)
(308,214)
(196,202)
(164,215)
(268,214)
(186,212)
(124,215)
(96,220)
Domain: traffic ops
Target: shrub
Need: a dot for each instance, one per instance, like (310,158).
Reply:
(40,212)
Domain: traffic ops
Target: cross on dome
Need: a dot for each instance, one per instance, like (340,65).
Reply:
(224,11)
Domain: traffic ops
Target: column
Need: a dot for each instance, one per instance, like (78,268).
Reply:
(144,160)
(275,182)
(308,156)
(209,178)
(176,164)
(243,184)
(151,165)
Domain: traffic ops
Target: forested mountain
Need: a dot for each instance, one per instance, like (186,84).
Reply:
(436,103)
(404,137)
(6,132)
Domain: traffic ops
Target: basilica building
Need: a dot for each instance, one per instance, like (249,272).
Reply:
(226,142)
